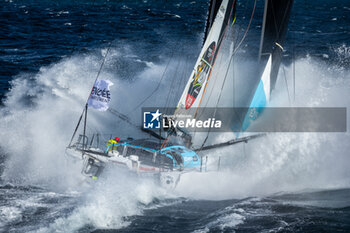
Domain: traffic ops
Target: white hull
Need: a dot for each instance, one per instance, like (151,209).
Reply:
(167,178)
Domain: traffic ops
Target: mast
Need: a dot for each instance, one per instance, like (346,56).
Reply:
(87,102)
(84,130)
(263,29)
(274,30)
(213,9)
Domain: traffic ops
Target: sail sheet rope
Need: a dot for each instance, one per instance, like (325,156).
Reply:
(220,40)
(210,72)
(172,89)
(230,60)
(157,87)
(236,47)
(285,79)
(278,30)
(246,31)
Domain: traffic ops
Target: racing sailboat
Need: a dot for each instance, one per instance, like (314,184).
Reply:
(205,87)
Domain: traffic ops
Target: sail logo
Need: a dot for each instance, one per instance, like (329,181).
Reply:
(151,120)
(100,95)
(200,75)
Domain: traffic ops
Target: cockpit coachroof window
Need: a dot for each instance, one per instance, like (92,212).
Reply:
(179,149)
(175,155)
(148,143)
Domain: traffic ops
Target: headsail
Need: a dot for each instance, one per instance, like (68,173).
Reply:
(274,29)
(275,21)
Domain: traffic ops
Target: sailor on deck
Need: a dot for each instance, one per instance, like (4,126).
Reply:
(112,144)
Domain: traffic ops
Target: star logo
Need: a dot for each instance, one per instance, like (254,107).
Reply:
(156,115)
(151,120)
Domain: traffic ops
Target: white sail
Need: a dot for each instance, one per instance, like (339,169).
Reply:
(195,88)
(213,80)
(262,93)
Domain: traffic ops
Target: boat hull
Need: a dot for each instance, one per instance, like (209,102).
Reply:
(93,165)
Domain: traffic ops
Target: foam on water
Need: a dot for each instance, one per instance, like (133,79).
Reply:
(41,111)
(38,119)
(109,203)
(9,214)
(284,161)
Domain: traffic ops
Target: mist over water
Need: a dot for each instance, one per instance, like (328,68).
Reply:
(44,192)
(43,109)
(38,119)
(284,162)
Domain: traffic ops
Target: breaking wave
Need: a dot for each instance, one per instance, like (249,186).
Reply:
(284,161)
(41,111)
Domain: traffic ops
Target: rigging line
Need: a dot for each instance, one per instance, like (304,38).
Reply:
(285,79)
(172,89)
(217,70)
(160,81)
(213,86)
(121,116)
(285,15)
(246,31)
(86,102)
(293,60)
(221,65)
(220,40)
(217,103)
(244,13)
(179,92)
(181,80)
(76,128)
(211,92)
(244,151)
(214,73)
(183,76)
(212,67)
(278,30)
(102,64)
(274,21)
(245,34)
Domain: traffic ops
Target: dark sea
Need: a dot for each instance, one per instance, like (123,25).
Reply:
(50,54)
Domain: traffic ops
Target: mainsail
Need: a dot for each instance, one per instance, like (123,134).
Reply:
(221,14)
(196,85)
(213,10)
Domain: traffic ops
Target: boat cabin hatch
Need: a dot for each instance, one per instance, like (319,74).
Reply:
(171,157)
